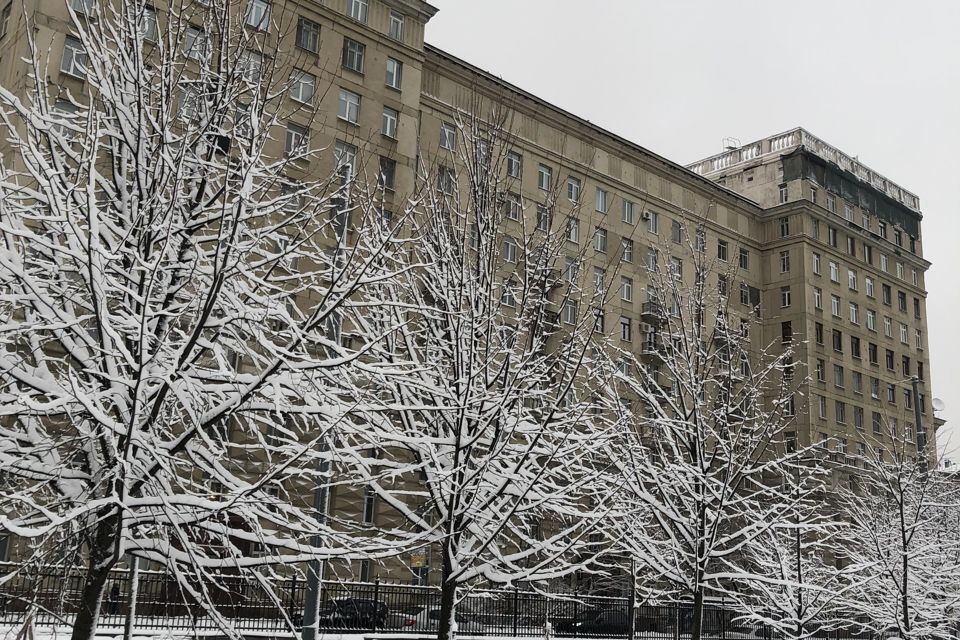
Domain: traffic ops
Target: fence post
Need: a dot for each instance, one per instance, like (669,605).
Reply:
(632,601)
(376,604)
(132,605)
(576,610)
(516,609)
(676,620)
(292,609)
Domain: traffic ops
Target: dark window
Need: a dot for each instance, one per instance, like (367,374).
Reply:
(818,332)
(872,353)
(353,53)
(837,341)
(855,346)
(786,332)
(889,359)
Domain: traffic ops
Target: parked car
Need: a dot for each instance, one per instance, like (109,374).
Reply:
(611,621)
(353,613)
(424,618)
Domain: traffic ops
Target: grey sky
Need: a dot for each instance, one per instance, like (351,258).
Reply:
(879,79)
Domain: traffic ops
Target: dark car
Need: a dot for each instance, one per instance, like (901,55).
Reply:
(353,613)
(599,622)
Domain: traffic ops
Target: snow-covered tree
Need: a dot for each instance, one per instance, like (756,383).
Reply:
(488,437)
(173,266)
(789,579)
(702,464)
(904,532)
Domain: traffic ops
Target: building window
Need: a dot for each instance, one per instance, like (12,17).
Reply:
(573,230)
(626,289)
(847,212)
(258,14)
(448,136)
(784,297)
(868,285)
(744,259)
(349,106)
(744,294)
(835,305)
(653,222)
(834,272)
(369,505)
(308,35)
(857,382)
(514,164)
(822,407)
(854,313)
(83,6)
(508,297)
(898,237)
(570,312)
(357,9)
(852,279)
(389,125)
(918,338)
(297,139)
(784,195)
(841,416)
(626,329)
(543,218)
(4,24)
(838,376)
(446,181)
(573,189)
(544,177)
(871,320)
(627,209)
(832,236)
(887,293)
(74,60)
(394,76)
(821,370)
(817,298)
(889,359)
(851,245)
(676,232)
(904,333)
(872,355)
(901,301)
(837,340)
(816,263)
(858,425)
(784,262)
(831,203)
(722,250)
(784,227)
(396,25)
(627,247)
(353,54)
(600,240)
(302,86)
(888,327)
(512,206)
(388,173)
(599,276)
(509,249)
(345,156)
(196,44)
(603,200)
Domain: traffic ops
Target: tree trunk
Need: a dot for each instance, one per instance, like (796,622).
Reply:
(448,596)
(101,561)
(697,622)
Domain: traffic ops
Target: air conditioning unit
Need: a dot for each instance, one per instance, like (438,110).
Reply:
(646,327)
(645,216)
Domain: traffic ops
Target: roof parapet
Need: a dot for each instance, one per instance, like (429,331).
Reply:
(782,143)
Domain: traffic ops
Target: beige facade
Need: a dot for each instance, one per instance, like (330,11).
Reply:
(779,213)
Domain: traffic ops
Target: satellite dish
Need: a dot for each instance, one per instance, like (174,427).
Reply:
(938,404)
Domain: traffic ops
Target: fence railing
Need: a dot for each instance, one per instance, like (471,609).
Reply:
(276,605)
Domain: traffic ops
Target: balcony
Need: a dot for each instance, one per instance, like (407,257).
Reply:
(651,312)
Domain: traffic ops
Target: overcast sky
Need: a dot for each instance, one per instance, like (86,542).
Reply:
(878,79)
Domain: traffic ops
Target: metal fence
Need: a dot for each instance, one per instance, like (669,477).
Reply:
(276,605)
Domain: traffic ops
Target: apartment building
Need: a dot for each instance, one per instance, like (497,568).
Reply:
(823,250)
(846,242)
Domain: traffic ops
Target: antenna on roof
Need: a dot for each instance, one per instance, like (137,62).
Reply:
(729,144)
